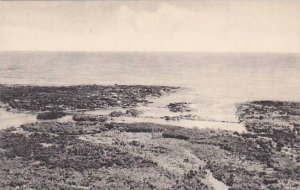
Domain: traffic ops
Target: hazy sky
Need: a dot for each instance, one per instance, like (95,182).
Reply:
(223,26)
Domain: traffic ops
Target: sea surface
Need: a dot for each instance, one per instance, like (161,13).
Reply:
(213,82)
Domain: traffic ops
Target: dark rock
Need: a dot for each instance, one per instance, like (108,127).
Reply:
(116,114)
(179,107)
(175,136)
(179,117)
(50,115)
(134,143)
(133,112)
(87,117)
(270,181)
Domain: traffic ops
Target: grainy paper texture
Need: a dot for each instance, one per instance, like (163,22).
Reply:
(150,95)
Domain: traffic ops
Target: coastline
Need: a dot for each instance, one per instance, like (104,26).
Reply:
(92,154)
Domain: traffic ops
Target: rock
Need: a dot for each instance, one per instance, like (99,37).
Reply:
(87,117)
(133,112)
(270,180)
(179,117)
(116,114)
(134,143)
(179,107)
(50,115)
(175,136)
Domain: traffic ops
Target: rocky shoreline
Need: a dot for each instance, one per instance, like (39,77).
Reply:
(91,153)
(82,97)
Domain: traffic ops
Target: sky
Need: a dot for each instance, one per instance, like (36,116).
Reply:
(198,26)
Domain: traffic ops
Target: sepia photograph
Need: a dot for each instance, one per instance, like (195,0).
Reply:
(150,94)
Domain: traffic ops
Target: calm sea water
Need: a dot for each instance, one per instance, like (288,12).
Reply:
(214,81)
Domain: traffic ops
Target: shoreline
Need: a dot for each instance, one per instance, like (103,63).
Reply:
(92,154)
